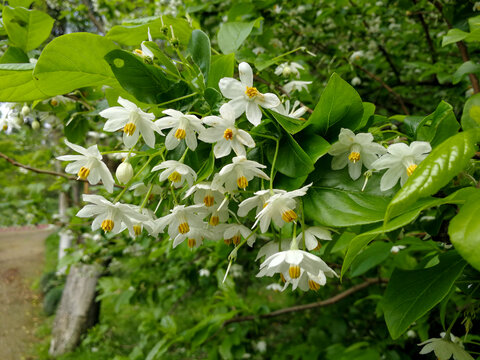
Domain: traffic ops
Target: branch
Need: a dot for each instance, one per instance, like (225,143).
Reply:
(433,53)
(323,303)
(92,17)
(461,47)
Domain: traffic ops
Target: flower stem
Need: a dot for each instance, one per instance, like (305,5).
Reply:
(182,159)
(177,99)
(146,197)
(273,164)
(127,185)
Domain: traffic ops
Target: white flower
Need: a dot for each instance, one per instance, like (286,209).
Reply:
(258,50)
(140,189)
(145,52)
(476,6)
(176,172)
(296,85)
(356,81)
(204,272)
(295,112)
(272,247)
(194,237)
(181,219)
(279,208)
(124,172)
(401,160)
(245,98)
(204,193)
(357,55)
(257,200)
(237,174)
(9,118)
(235,232)
(312,234)
(133,120)
(291,263)
(356,151)
(88,165)
(444,348)
(183,127)
(286,69)
(110,217)
(225,134)
(274,287)
(308,281)
(396,248)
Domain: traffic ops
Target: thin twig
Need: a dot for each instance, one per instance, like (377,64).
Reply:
(433,53)
(92,17)
(329,301)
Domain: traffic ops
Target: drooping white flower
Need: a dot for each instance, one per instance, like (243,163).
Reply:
(218,213)
(9,117)
(274,287)
(194,237)
(308,281)
(224,133)
(245,98)
(296,85)
(237,174)
(279,208)
(397,248)
(272,247)
(133,120)
(357,55)
(401,160)
(181,219)
(183,127)
(356,81)
(257,200)
(204,273)
(295,112)
(356,151)
(234,232)
(291,263)
(445,348)
(88,166)
(286,69)
(312,235)
(145,52)
(111,217)
(176,172)
(140,189)
(204,193)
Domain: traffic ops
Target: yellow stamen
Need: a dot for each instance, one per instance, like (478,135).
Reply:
(227,241)
(411,169)
(228,134)
(183,228)
(236,239)
(313,285)
(282,277)
(214,220)
(251,92)
(83,172)
(5,127)
(138,52)
(319,246)
(137,229)
(129,129)
(191,243)
(107,225)
(54,102)
(242,182)
(289,216)
(354,157)
(180,134)
(208,200)
(174,177)
(294,271)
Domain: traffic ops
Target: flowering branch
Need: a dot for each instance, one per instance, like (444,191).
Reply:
(329,301)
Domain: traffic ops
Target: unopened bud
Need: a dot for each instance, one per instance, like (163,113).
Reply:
(124,172)
(35,125)
(25,110)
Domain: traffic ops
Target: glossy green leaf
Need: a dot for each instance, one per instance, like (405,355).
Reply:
(18,84)
(471,113)
(466,68)
(289,124)
(162,58)
(453,36)
(23,3)
(212,96)
(222,66)
(464,231)
(26,29)
(76,129)
(60,69)
(439,126)
(368,111)
(443,163)
(339,107)
(410,294)
(132,33)
(314,145)
(14,55)
(199,48)
(372,256)
(207,168)
(232,34)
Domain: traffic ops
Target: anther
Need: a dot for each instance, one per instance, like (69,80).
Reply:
(183,228)
(137,230)
(294,271)
(251,92)
(228,134)
(83,173)
(180,134)
(354,157)
(289,216)
(242,182)
(411,169)
(107,225)
(236,239)
(313,285)
(214,220)
(129,129)
(208,200)
(191,243)
(174,177)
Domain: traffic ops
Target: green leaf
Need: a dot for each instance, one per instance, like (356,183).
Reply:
(207,168)
(146,82)
(232,34)
(466,68)
(161,57)
(443,163)
(374,255)
(290,125)
(410,294)
(291,159)
(471,113)
(76,129)
(26,29)
(60,68)
(212,96)
(18,84)
(314,145)
(132,33)
(222,66)
(438,126)
(339,107)
(14,55)
(464,231)
(199,48)
(368,111)
(453,36)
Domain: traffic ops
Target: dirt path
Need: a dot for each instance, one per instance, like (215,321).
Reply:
(21,262)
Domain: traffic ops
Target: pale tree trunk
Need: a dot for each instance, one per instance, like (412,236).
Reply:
(66,237)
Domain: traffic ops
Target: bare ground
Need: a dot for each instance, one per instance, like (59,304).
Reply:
(21,262)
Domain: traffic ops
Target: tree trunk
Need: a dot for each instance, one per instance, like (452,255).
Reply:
(78,309)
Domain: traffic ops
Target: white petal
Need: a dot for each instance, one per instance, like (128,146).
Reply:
(253,112)
(227,112)
(245,74)
(339,162)
(355,169)
(390,178)
(268,100)
(231,88)
(222,148)
(239,104)
(127,104)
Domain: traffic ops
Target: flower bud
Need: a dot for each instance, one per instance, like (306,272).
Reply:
(25,110)
(18,120)
(124,172)
(35,125)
